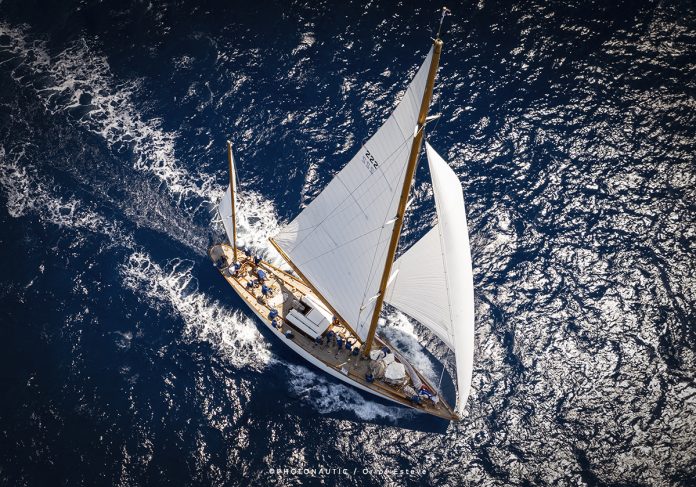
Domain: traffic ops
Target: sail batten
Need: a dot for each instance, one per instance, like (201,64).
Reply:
(340,239)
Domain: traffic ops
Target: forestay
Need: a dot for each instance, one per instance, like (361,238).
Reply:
(339,241)
(434,282)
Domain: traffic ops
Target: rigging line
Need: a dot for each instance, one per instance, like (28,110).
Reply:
(381,165)
(437,120)
(447,286)
(236,177)
(439,107)
(374,255)
(450,333)
(442,374)
(386,163)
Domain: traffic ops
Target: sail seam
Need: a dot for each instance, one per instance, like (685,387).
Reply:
(370,275)
(351,194)
(338,246)
(387,161)
(440,228)
(410,86)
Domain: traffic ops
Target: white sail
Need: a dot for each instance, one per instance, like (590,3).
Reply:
(225,211)
(340,240)
(434,283)
(225,207)
(419,286)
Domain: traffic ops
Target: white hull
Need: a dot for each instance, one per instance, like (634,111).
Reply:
(287,291)
(318,363)
(335,246)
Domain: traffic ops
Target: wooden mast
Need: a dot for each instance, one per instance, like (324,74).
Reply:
(408,180)
(233,187)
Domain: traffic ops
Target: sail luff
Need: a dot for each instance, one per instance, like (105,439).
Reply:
(408,181)
(419,287)
(454,239)
(233,191)
(340,240)
(434,284)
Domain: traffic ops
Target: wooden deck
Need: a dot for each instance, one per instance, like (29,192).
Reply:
(285,288)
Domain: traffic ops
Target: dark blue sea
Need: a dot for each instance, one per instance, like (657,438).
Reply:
(127,360)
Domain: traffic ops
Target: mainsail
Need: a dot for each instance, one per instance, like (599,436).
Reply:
(226,209)
(433,280)
(339,241)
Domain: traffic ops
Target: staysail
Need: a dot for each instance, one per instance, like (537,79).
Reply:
(339,241)
(433,280)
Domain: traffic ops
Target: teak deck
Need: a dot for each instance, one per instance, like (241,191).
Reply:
(350,368)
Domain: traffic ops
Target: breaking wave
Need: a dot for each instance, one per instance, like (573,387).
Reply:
(28,193)
(79,81)
(257,221)
(329,397)
(401,333)
(236,336)
(174,286)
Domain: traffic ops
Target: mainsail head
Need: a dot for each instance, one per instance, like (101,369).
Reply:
(434,283)
(339,241)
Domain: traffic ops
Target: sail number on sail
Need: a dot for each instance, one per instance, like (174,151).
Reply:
(369,161)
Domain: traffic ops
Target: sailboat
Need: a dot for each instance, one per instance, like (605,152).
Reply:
(341,267)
